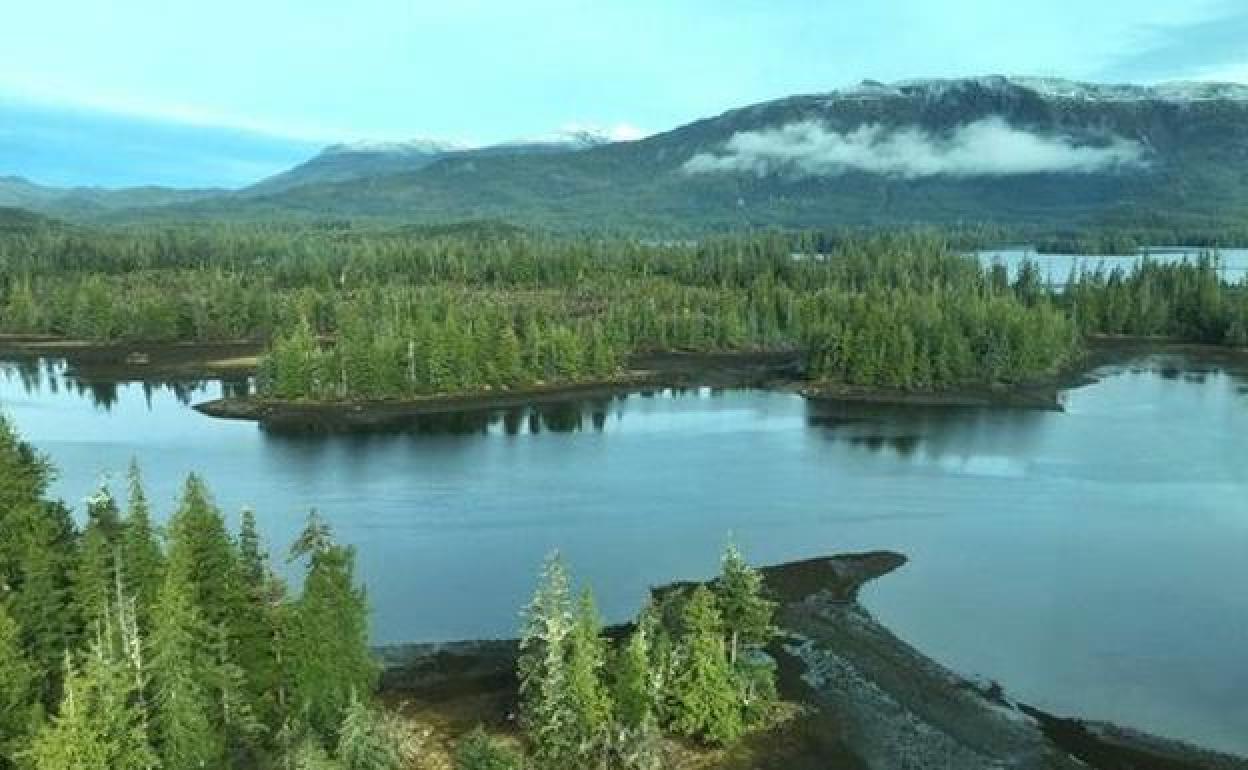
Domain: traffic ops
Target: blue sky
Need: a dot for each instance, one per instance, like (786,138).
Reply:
(284,76)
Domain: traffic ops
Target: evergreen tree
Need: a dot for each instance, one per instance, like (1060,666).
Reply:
(188,729)
(255,625)
(98,556)
(329,657)
(705,700)
(478,751)
(141,551)
(548,708)
(19,694)
(747,614)
(363,740)
(634,690)
(99,725)
(200,543)
(41,589)
(591,703)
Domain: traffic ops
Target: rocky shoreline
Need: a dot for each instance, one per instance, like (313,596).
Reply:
(876,701)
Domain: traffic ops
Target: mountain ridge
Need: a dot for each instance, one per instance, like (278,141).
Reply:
(1025,150)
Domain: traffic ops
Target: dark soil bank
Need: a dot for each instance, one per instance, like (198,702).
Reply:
(871,699)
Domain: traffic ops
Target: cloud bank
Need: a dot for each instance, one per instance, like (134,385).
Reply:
(986,147)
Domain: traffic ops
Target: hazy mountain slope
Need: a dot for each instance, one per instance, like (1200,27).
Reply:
(362,160)
(86,202)
(1015,150)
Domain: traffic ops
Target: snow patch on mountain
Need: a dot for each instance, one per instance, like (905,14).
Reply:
(1049,88)
(985,147)
(409,147)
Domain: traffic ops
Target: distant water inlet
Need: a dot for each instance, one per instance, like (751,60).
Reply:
(1055,270)
(1091,560)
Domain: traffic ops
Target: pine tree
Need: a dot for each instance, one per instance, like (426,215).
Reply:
(747,613)
(97,559)
(41,584)
(99,725)
(546,701)
(368,741)
(200,543)
(591,703)
(705,700)
(633,682)
(141,552)
(188,731)
(19,694)
(329,657)
(255,624)
(478,751)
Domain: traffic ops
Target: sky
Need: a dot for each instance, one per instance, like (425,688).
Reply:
(241,88)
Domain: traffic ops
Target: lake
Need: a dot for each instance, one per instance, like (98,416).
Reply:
(1055,269)
(1094,561)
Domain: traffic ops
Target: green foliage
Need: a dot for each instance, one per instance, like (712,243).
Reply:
(365,742)
(706,703)
(634,683)
(141,550)
(591,703)
(99,724)
(548,706)
(327,649)
(747,613)
(478,751)
(19,694)
(187,716)
(98,557)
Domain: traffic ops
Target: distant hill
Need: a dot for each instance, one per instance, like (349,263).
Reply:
(88,202)
(15,220)
(364,160)
(989,149)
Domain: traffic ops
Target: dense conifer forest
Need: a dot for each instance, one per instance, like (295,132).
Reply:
(350,316)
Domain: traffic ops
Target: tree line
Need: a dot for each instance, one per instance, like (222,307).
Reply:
(365,316)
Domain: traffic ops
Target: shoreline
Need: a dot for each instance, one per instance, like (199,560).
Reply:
(869,697)
(776,371)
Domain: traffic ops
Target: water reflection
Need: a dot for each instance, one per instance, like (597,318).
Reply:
(48,376)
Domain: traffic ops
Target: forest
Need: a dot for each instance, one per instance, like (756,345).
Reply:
(360,316)
(124,644)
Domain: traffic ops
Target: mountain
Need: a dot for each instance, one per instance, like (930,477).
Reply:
(88,202)
(989,149)
(362,160)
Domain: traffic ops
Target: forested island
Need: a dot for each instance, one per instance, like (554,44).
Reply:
(408,317)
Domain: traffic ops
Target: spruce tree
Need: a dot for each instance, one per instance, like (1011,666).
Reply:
(99,724)
(188,731)
(97,558)
(141,551)
(255,625)
(591,702)
(41,584)
(329,657)
(200,543)
(747,613)
(705,700)
(547,707)
(363,740)
(19,693)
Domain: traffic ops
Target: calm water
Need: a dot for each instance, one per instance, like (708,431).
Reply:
(1095,561)
(1055,269)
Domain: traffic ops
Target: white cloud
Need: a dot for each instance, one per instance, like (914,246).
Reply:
(620,132)
(987,146)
